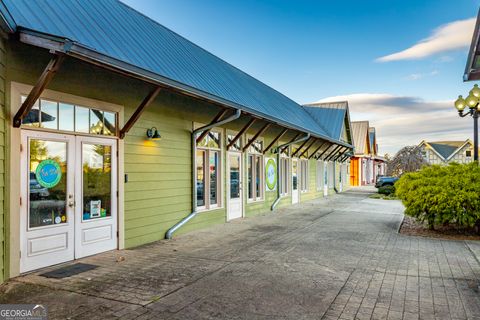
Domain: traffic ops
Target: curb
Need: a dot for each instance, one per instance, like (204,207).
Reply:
(474,248)
(400,225)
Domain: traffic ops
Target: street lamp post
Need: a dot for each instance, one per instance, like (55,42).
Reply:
(472,101)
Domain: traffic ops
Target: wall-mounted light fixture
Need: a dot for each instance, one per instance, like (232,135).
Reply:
(153,134)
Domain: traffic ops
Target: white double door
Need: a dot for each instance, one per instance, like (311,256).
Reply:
(235,190)
(68,198)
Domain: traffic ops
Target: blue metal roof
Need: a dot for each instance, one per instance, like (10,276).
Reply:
(115,30)
(371,136)
(446,148)
(330,116)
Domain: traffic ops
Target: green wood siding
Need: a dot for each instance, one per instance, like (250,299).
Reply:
(158,191)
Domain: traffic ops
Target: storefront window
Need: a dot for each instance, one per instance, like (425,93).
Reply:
(255,177)
(56,115)
(208,171)
(320,175)
(200,178)
(284,176)
(237,146)
(303,175)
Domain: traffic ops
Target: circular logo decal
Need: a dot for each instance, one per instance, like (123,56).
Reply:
(271,174)
(48,173)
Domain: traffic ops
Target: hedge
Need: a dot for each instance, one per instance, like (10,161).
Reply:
(442,194)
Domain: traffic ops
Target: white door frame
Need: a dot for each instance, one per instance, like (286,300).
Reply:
(95,235)
(230,215)
(75,238)
(53,244)
(295,193)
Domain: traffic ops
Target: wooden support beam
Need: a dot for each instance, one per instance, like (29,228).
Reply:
(345,157)
(252,140)
(145,103)
(217,118)
(340,154)
(334,151)
(293,139)
(108,125)
(275,140)
(307,148)
(326,149)
(300,148)
(239,134)
(42,82)
(316,150)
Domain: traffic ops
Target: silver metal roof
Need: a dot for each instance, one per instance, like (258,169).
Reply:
(110,32)
(331,116)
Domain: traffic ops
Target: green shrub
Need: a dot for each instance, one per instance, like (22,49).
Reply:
(442,194)
(388,190)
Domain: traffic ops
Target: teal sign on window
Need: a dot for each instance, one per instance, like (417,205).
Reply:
(48,173)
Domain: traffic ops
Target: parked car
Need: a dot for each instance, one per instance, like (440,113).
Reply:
(385,181)
(37,191)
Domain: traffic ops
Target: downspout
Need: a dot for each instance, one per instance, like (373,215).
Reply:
(195,132)
(277,151)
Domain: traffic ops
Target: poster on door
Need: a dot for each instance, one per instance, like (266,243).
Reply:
(271,174)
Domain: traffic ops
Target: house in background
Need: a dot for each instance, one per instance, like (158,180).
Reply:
(366,164)
(444,152)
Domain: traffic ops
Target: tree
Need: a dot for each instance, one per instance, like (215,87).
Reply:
(408,159)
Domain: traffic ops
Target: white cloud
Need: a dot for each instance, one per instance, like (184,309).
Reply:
(447,37)
(406,120)
(418,76)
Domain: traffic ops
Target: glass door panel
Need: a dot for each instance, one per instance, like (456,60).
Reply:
(295,175)
(97,181)
(234,177)
(47,185)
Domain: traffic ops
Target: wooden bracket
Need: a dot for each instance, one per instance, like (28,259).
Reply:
(293,139)
(334,151)
(239,134)
(217,118)
(324,151)
(42,82)
(340,154)
(138,112)
(300,148)
(307,148)
(316,150)
(252,140)
(275,140)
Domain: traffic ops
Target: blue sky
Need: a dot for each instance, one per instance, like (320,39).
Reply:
(312,50)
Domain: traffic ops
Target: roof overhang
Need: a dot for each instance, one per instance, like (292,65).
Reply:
(472,68)
(77,50)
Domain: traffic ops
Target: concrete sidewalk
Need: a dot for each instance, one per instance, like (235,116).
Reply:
(335,258)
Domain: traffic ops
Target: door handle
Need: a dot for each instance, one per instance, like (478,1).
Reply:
(71,203)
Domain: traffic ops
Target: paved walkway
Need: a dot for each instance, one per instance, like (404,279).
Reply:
(335,258)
